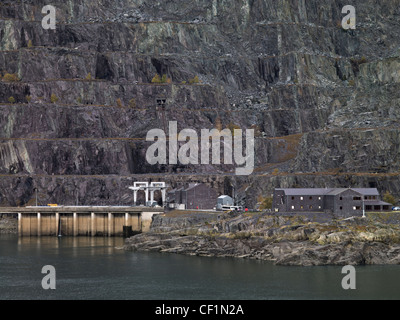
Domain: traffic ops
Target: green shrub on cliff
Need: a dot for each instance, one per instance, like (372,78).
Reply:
(195,80)
(119,103)
(10,77)
(156,79)
(163,79)
(11,100)
(53,98)
(132,103)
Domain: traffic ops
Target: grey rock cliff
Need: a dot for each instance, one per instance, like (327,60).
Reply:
(322,99)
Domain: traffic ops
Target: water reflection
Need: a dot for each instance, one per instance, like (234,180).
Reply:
(93,268)
(71,242)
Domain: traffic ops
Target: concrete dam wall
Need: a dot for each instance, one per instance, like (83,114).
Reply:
(82,221)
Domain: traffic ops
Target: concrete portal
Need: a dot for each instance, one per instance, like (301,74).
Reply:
(144,186)
(140,186)
(81,221)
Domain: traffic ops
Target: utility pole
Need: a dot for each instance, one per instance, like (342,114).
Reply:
(36,197)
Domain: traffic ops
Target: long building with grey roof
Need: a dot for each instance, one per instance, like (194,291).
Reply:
(339,201)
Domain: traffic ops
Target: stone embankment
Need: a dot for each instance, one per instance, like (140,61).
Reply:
(282,240)
(8,224)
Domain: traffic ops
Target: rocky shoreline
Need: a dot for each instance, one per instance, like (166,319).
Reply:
(291,240)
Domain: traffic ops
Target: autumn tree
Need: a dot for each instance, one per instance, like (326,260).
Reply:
(265,203)
(388,197)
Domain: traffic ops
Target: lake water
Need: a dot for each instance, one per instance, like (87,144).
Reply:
(93,268)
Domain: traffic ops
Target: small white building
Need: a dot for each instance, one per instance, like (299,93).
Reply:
(224,201)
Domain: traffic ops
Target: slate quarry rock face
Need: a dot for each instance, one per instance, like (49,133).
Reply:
(323,101)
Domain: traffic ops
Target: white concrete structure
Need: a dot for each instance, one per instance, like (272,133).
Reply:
(138,186)
(144,186)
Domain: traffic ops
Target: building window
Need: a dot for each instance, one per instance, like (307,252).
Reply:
(356,198)
(310,198)
(354,208)
(292,207)
(341,208)
(301,198)
(341,198)
(301,207)
(311,207)
(319,207)
(319,198)
(292,198)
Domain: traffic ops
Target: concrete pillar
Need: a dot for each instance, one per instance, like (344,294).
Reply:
(146,192)
(110,224)
(134,197)
(92,224)
(39,225)
(163,192)
(126,219)
(57,222)
(75,224)
(19,224)
(152,196)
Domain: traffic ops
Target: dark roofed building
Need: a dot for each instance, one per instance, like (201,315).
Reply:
(194,196)
(340,201)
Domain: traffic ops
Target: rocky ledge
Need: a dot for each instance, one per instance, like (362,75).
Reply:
(294,240)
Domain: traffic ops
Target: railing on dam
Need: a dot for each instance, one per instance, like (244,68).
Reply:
(81,220)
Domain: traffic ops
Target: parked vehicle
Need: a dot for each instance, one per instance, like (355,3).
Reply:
(232,208)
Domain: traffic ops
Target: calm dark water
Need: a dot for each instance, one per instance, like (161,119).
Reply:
(93,268)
